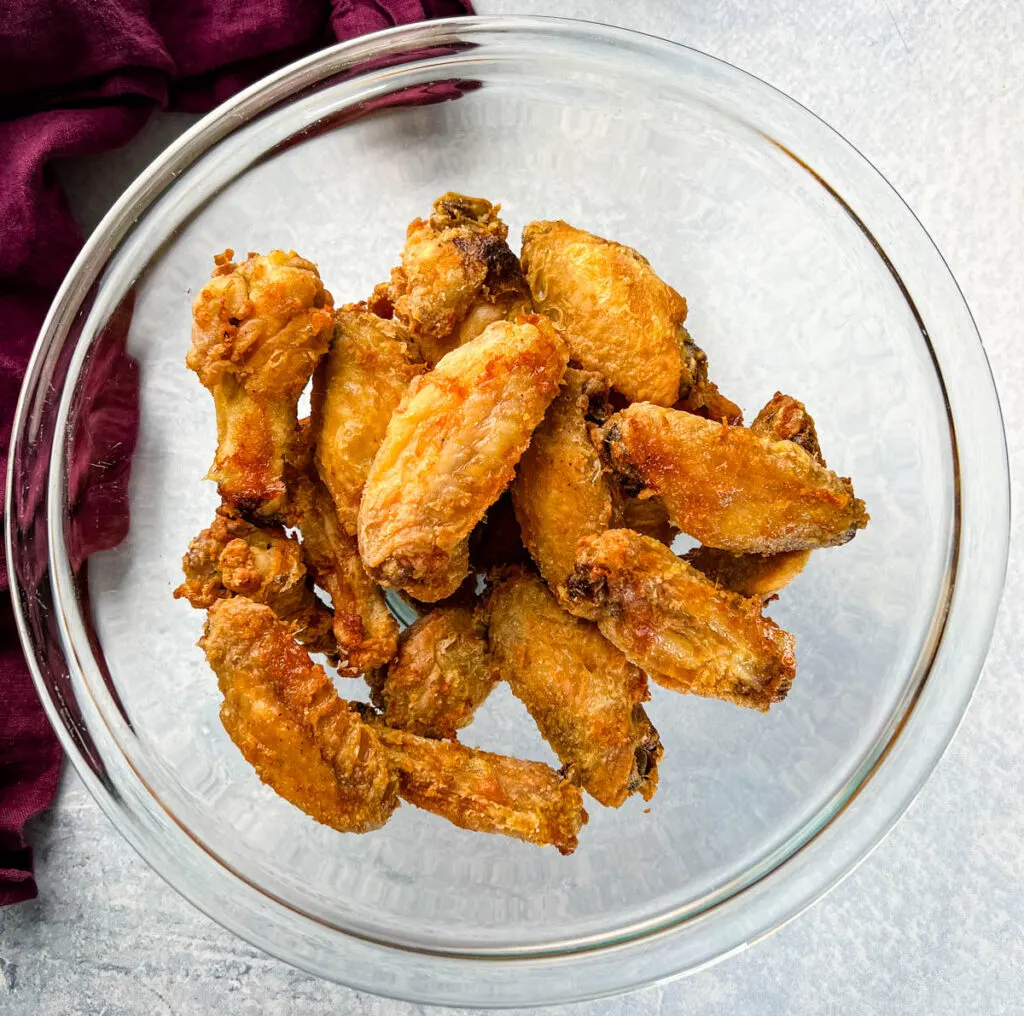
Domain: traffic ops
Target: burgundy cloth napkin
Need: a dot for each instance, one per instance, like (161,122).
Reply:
(78,77)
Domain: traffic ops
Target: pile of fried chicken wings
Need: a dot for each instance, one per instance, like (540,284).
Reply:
(511,444)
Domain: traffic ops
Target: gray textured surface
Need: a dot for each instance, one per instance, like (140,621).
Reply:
(932,91)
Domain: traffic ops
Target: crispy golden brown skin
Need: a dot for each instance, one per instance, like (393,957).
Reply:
(284,714)
(366,633)
(618,317)
(487,793)
(234,558)
(785,419)
(764,575)
(356,388)
(582,692)
(561,492)
(441,674)
(672,621)
(729,487)
(457,276)
(258,330)
(450,450)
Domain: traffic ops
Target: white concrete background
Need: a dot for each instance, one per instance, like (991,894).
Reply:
(932,91)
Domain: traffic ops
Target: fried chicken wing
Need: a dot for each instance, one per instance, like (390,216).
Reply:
(284,714)
(764,575)
(582,692)
(356,388)
(487,793)
(457,276)
(618,317)
(729,487)
(366,633)
(450,450)
(234,558)
(258,330)
(561,492)
(672,621)
(441,674)
(785,419)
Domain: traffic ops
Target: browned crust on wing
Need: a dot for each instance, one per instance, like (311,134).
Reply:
(487,793)
(234,558)
(584,695)
(618,317)
(442,673)
(457,276)
(729,487)
(561,492)
(450,450)
(356,388)
(672,621)
(764,575)
(366,633)
(786,419)
(284,714)
(259,328)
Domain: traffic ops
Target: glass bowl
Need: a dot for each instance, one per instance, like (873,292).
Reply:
(804,273)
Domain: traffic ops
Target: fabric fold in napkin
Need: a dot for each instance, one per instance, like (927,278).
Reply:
(79,77)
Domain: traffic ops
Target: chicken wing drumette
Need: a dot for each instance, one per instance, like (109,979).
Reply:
(259,328)
(731,487)
(283,713)
(676,624)
(264,564)
(584,695)
(561,493)
(441,674)
(487,793)
(451,449)
(457,276)
(356,388)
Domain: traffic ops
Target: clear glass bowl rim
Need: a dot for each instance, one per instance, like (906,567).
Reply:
(826,858)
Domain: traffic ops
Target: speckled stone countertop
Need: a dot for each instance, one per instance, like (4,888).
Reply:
(932,91)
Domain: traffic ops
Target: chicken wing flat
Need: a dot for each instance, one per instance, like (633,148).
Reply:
(365,631)
(764,575)
(677,625)
(234,558)
(487,793)
(356,388)
(258,330)
(451,449)
(561,493)
(618,317)
(729,487)
(457,276)
(441,674)
(582,692)
(282,711)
